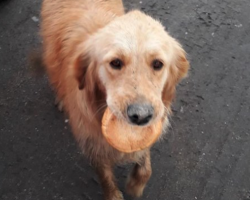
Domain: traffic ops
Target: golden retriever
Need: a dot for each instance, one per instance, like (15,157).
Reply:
(96,55)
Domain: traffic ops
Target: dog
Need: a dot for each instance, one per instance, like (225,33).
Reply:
(97,56)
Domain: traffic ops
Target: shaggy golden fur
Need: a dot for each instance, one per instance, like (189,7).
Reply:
(80,40)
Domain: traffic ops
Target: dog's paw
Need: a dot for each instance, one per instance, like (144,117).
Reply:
(116,195)
(59,104)
(134,188)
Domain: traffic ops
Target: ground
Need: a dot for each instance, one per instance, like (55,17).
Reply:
(206,153)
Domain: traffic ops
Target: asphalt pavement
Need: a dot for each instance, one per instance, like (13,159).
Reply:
(204,156)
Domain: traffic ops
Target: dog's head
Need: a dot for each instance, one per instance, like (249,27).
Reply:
(138,65)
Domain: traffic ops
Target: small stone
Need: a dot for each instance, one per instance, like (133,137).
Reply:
(35,19)
(182,110)
(238,25)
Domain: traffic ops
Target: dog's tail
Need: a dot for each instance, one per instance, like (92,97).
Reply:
(35,62)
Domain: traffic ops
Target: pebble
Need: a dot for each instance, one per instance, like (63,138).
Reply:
(35,19)
(238,25)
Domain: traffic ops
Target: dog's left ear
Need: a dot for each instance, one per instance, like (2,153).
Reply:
(81,66)
(181,64)
(178,70)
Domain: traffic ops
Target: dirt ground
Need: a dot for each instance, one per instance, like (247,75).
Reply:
(205,155)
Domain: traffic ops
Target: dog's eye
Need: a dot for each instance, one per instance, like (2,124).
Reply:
(116,64)
(157,65)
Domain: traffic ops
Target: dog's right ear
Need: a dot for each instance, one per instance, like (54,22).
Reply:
(80,69)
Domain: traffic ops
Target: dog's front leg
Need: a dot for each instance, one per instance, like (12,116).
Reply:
(108,183)
(139,176)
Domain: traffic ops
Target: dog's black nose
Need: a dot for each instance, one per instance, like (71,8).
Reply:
(140,114)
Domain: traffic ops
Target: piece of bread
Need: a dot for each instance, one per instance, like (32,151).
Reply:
(128,138)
